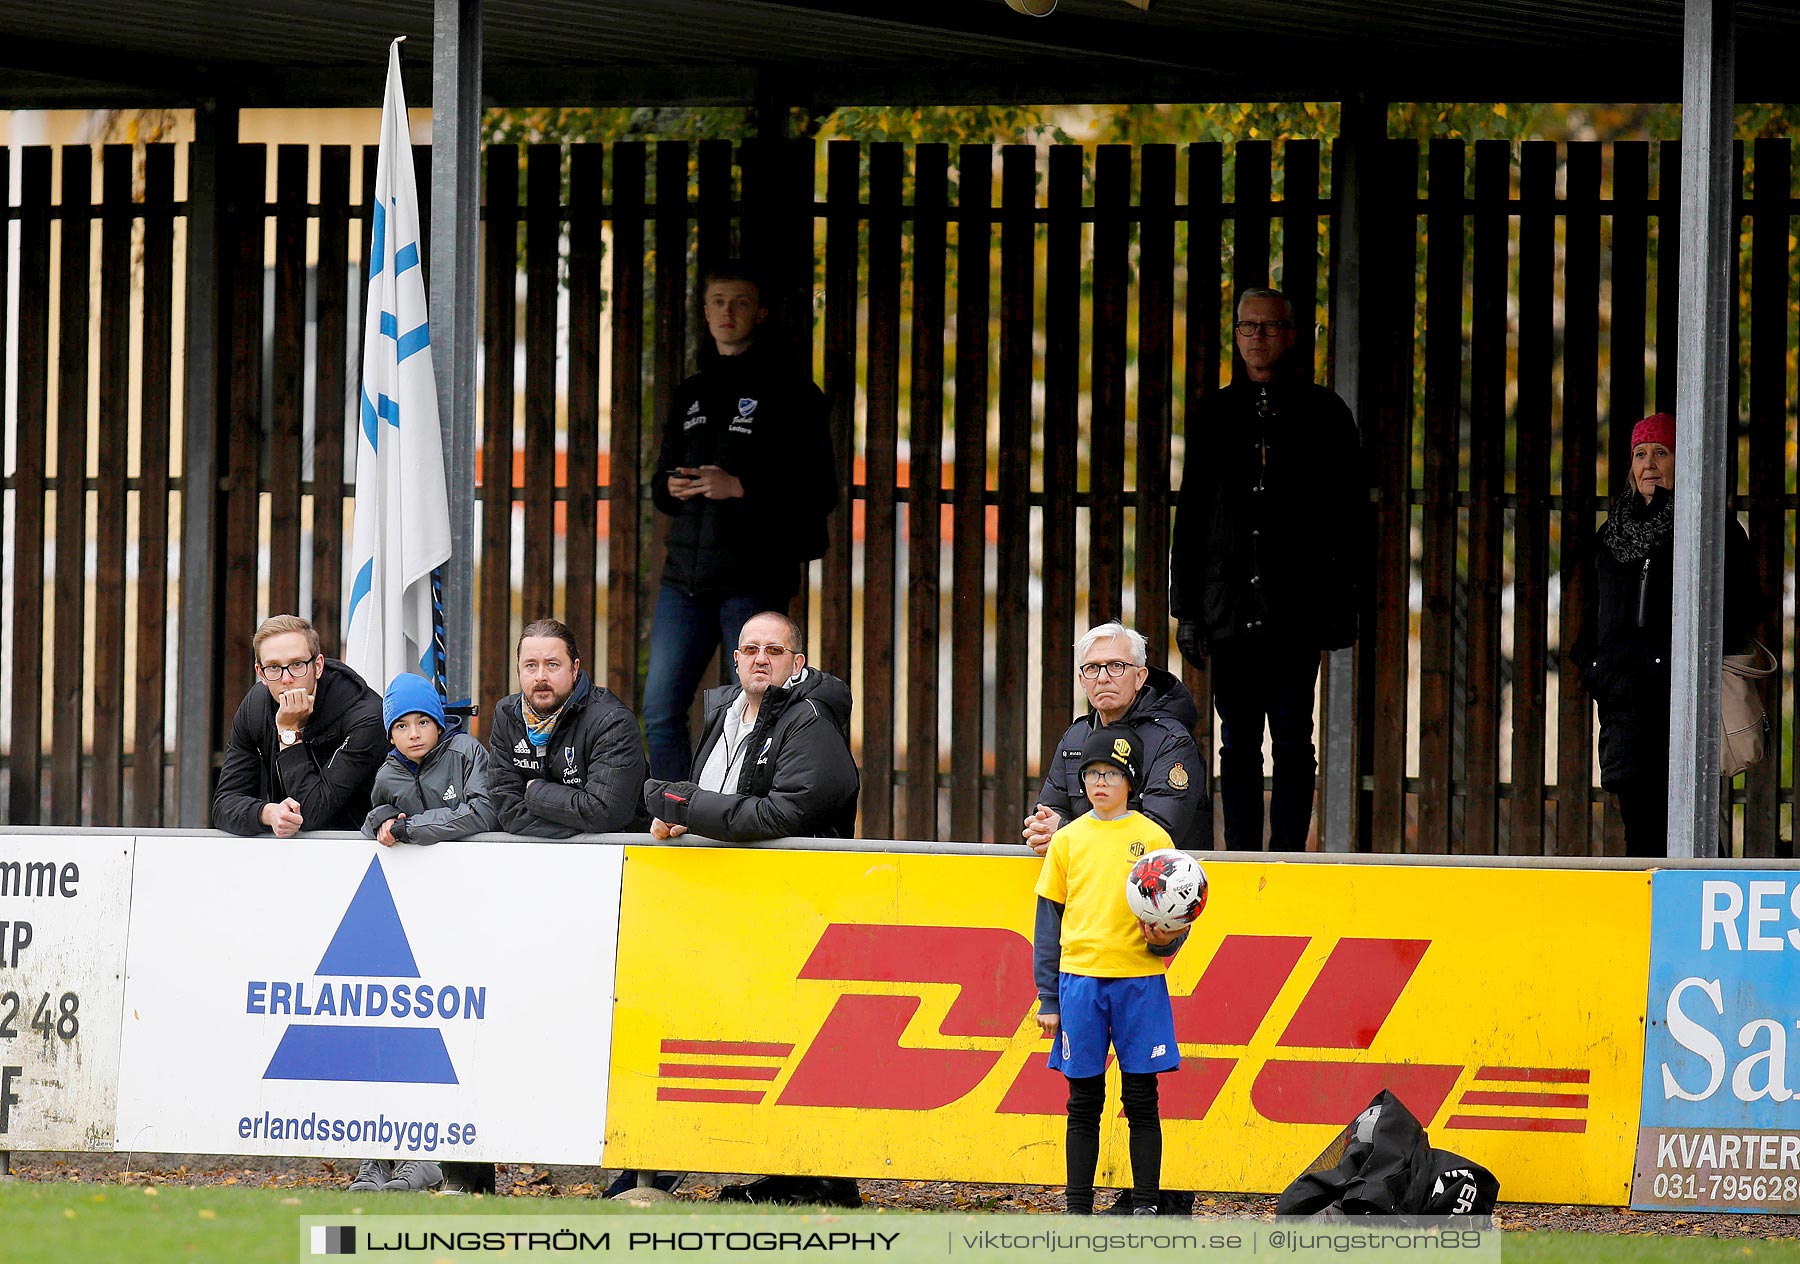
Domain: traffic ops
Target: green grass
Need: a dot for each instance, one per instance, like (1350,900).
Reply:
(1595,1248)
(77,1223)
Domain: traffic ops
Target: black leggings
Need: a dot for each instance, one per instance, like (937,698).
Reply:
(1087,1098)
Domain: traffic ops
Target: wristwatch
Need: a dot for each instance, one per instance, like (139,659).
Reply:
(289,737)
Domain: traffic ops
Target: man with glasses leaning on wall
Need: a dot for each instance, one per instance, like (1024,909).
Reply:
(773,762)
(305,742)
(1270,550)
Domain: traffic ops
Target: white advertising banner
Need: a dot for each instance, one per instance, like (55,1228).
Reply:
(64,901)
(333,998)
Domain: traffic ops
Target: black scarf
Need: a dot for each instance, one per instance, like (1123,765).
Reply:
(1636,528)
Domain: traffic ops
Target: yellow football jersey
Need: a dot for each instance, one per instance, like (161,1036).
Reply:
(1085,871)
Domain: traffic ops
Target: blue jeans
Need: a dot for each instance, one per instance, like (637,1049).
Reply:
(685,633)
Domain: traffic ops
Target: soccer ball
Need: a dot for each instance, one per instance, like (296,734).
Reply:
(1166,889)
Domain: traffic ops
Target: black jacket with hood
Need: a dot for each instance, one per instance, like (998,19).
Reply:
(328,771)
(584,780)
(762,420)
(798,776)
(1174,790)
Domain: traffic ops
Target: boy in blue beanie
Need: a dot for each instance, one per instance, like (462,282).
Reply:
(434,783)
(432,787)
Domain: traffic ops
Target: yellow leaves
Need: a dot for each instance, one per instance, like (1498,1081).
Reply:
(1500,108)
(150,1191)
(207,1213)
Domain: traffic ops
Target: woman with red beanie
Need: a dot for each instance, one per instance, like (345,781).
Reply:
(1623,650)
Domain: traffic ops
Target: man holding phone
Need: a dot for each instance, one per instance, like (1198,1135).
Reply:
(746,474)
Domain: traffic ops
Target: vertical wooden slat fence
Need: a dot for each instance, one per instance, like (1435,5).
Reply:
(287,366)
(631,436)
(1208,313)
(543,231)
(1012,523)
(1532,425)
(152,683)
(331,392)
(1100,267)
(33,377)
(1443,406)
(242,427)
(843,225)
(676,298)
(1061,430)
(499,307)
(1487,484)
(1155,402)
(1387,444)
(586,224)
(1106,417)
(74,300)
(881,446)
(1580,421)
(107,786)
(925,479)
(968,610)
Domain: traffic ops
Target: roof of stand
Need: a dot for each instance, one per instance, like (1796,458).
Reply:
(92,53)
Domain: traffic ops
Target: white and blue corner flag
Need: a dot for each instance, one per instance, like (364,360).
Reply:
(401,528)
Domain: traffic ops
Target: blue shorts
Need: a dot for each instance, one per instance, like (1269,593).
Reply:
(1132,1015)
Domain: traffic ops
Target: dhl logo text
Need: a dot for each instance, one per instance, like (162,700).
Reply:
(856,1059)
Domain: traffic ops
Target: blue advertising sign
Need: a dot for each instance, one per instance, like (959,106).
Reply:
(1717,1131)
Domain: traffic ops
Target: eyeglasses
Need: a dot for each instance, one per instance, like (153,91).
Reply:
(1268,328)
(773,651)
(1102,776)
(1115,669)
(275,671)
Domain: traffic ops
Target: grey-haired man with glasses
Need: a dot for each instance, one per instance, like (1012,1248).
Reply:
(1269,553)
(305,742)
(1113,669)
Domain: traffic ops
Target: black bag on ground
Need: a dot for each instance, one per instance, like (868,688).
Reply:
(1382,1164)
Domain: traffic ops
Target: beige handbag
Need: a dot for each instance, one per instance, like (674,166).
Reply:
(1741,714)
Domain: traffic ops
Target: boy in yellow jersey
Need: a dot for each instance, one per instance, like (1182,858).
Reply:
(1100,971)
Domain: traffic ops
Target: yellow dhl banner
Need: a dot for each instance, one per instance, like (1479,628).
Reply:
(861,1014)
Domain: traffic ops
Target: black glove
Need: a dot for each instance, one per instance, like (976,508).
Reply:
(668,801)
(1190,643)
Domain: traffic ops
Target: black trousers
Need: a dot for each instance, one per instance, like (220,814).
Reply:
(1258,680)
(1644,807)
(1087,1098)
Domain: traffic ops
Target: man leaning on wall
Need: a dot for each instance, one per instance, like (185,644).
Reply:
(305,742)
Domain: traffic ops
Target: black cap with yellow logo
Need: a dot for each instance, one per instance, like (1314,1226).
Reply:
(1114,747)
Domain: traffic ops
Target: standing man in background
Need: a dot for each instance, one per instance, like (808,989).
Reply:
(746,473)
(1270,548)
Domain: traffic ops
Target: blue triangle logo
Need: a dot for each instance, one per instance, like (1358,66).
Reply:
(370,941)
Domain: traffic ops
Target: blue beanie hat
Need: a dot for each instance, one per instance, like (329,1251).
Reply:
(408,694)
